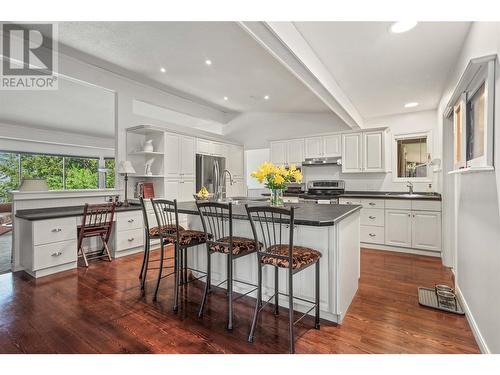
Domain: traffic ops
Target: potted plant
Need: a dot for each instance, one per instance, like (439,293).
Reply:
(276,179)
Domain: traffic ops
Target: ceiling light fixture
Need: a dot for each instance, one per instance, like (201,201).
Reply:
(402,26)
(208,62)
(226,98)
(163,70)
(411,105)
(266,97)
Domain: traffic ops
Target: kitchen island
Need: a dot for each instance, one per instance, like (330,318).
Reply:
(334,230)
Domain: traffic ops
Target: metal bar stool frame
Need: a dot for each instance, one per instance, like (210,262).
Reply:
(219,217)
(97,221)
(268,219)
(167,215)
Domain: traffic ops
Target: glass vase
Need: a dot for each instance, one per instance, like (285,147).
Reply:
(277,197)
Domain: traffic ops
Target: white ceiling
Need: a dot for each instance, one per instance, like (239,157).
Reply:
(381,71)
(75,107)
(241,69)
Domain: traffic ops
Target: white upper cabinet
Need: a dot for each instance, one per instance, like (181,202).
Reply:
(365,152)
(234,160)
(314,147)
(352,153)
(217,149)
(172,155)
(206,147)
(295,151)
(373,150)
(279,152)
(332,145)
(187,156)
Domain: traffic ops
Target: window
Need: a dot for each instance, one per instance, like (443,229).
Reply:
(471,106)
(411,157)
(60,172)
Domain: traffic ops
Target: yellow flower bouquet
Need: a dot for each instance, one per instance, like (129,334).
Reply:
(276,179)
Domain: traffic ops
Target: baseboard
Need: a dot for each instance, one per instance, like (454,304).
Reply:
(401,249)
(483,347)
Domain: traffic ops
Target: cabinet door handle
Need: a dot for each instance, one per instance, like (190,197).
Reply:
(131,220)
(56,230)
(372,234)
(409,215)
(56,254)
(372,204)
(348,202)
(372,217)
(131,239)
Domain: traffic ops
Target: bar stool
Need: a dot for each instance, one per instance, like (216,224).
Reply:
(152,233)
(274,223)
(217,221)
(97,222)
(167,216)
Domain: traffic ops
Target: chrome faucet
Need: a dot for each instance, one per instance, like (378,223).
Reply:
(410,187)
(231,182)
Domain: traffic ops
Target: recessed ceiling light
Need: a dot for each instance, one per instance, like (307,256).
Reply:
(208,62)
(266,97)
(226,98)
(163,70)
(411,105)
(402,26)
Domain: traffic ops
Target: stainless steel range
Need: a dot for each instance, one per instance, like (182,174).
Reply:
(324,191)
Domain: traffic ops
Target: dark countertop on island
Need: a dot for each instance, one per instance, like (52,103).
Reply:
(311,214)
(61,212)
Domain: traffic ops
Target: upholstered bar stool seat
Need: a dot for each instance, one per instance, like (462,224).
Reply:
(187,238)
(301,256)
(164,230)
(240,245)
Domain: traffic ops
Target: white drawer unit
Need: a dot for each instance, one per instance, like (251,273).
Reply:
(129,239)
(372,234)
(373,203)
(349,201)
(54,254)
(129,220)
(54,230)
(373,217)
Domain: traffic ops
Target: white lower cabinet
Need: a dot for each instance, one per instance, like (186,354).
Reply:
(372,234)
(426,230)
(398,228)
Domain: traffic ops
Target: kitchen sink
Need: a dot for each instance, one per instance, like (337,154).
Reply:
(413,195)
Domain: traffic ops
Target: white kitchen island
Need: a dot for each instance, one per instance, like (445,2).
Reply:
(334,230)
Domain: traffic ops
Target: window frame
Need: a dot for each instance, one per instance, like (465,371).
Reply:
(404,136)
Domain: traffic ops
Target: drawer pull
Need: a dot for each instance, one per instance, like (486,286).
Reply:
(130,220)
(56,254)
(348,202)
(131,239)
(56,230)
(371,204)
(372,217)
(372,234)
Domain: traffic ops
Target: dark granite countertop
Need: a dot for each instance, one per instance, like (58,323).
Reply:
(391,195)
(60,212)
(305,213)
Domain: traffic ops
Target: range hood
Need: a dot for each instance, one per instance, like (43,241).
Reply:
(323,161)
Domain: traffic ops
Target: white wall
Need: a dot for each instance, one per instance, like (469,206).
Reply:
(478,202)
(31,139)
(256,129)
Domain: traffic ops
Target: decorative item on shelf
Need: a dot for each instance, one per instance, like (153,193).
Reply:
(148,146)
(276,179)
(144,190)
(33,184)
(147,167)
(125,168)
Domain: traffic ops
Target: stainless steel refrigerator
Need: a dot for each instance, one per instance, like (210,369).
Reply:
(209,171)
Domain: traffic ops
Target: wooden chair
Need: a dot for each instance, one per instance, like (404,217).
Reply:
(276,224)
(217,221)
(97,222)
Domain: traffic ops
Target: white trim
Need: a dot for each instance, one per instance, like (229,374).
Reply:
(57,194)
(55,143)
(398,249)
(481,342)
(472,170)
(399,136)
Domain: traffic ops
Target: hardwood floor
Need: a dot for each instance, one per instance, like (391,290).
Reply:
(101,310)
